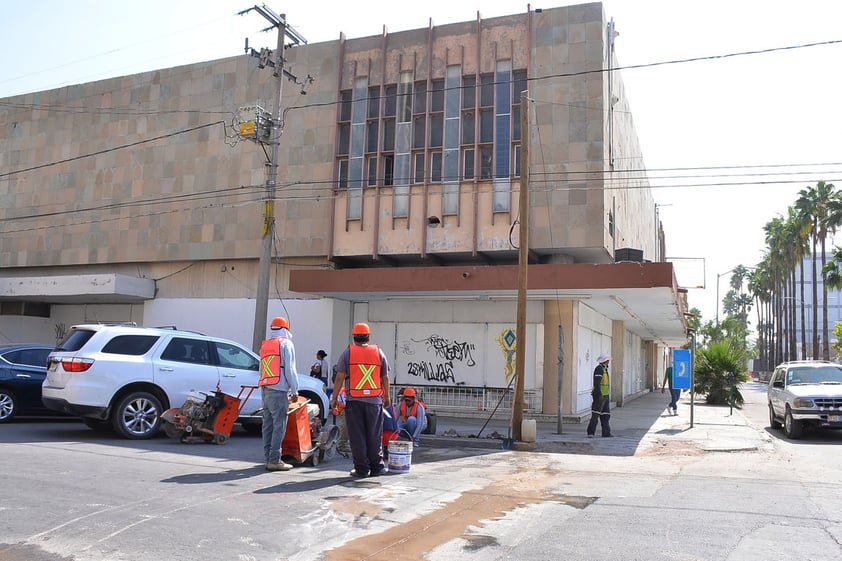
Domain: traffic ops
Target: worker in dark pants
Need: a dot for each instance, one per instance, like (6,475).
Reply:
(601,394)
(363,370)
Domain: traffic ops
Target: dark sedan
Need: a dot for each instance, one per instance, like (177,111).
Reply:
(22,370)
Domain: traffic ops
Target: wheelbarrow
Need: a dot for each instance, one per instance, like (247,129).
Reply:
(206,417)
(306,439)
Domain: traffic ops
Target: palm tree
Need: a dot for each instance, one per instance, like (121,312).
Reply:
(760,287)
(777,269)
(801,248)
(823,205)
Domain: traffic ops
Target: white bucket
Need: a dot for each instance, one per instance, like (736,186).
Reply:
(400,455)
(528,430)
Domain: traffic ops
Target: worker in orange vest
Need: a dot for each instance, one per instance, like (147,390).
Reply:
(278,385)
(363,371)
(412,417)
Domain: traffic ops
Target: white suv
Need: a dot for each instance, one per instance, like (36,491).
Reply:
(805,394)
(124,376)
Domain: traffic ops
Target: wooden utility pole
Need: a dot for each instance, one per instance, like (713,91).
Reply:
(518,404)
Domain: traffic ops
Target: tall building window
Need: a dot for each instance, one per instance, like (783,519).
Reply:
(502,136)
(452,110)
(359,104)
(403,145)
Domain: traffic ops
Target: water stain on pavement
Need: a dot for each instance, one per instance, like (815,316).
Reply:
(460,518)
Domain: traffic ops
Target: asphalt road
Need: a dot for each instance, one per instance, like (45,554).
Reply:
(68,493)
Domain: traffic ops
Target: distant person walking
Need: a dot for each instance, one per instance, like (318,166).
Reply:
(319,369)
(278,385)
(675,394)
(601,394)
(363,371)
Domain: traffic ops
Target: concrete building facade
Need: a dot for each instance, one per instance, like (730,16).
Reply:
(140,199)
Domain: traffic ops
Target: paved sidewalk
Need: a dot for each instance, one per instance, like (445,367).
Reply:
(640,424)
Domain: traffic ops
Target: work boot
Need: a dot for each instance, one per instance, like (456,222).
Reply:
(280,466)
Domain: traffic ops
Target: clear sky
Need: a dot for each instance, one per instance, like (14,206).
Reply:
(729,140)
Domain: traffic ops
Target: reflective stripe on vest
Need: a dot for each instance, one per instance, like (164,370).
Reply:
(605,385)
(364,366)
(270,362)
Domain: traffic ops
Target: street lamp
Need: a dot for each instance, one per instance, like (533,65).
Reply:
(718,275)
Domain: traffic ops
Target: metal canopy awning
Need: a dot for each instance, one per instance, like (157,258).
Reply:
(645,296)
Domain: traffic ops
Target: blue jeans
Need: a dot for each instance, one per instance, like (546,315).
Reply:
(411,426)
(275,410)
(675,395)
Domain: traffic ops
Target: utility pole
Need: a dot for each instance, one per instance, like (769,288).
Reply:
(523,259)
(277,21)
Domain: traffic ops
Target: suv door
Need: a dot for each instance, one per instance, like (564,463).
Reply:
(238,367)
(776,390)
(183,366)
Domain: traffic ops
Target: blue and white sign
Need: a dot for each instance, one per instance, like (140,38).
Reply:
(681,373)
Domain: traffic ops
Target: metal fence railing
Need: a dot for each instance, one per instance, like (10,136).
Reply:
(468,399)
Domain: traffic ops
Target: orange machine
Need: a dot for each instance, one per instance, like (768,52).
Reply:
(298,442)
(210,419)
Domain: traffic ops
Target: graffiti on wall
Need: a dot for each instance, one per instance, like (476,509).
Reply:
(508,344)
(437,359)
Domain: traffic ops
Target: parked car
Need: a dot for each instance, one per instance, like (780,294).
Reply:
(22,370)
(805,394)
(123,377)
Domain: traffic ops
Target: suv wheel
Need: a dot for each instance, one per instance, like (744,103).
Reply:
(792,427)
(773,421)
(137,416)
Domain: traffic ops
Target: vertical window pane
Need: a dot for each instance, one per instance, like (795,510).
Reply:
(418,168)
(516,159)
(435,167)
(486,90)
(344,139)
(390,102)
(520,84)
(516,122)
(343,174)
(360,102)
(345,105)
(389,135)
(486,125)
(374,102)
(503,87)
(437,96)
(420,103)
(486,159)
(436,128)
(469,84)
(371,174)
(405,98)
(468,163)
(419,133)
(468,127)
(388,169)
(371,137)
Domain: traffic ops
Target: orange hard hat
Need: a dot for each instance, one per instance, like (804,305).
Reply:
(279,322)
(361,329)
(409,392)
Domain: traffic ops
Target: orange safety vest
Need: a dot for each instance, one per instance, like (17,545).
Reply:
(364,366)
(270,361)
(413,412)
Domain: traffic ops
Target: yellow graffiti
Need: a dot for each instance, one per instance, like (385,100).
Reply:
(508,344)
